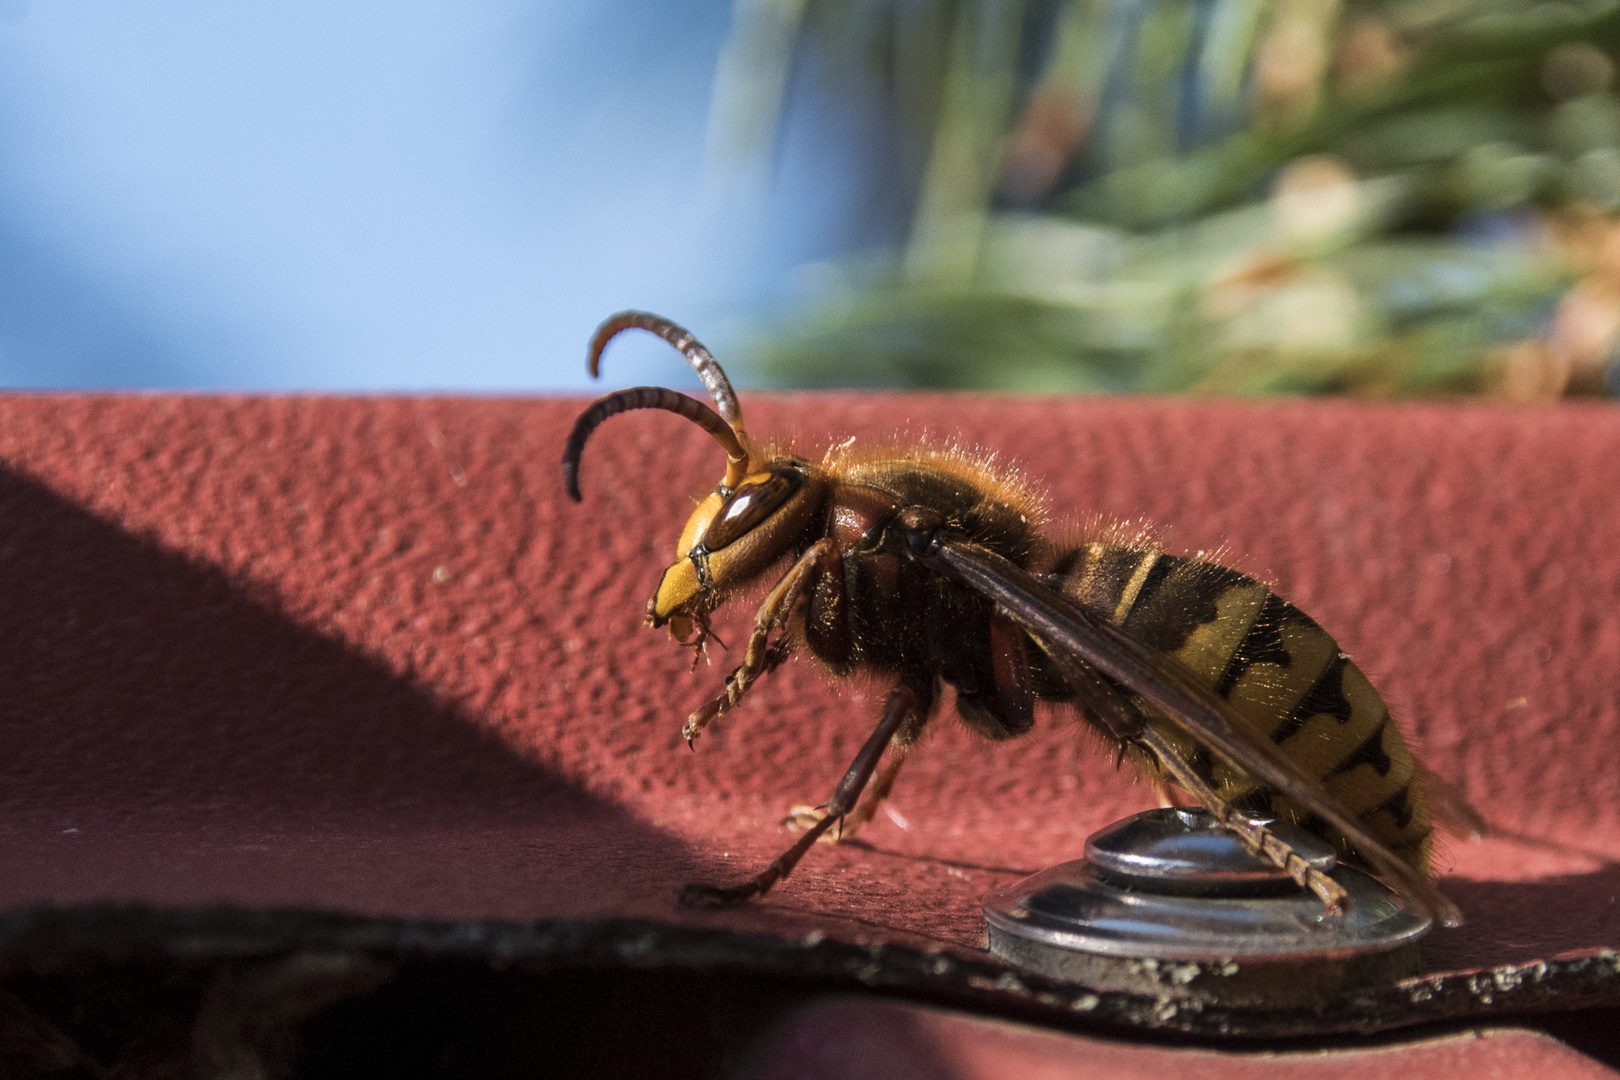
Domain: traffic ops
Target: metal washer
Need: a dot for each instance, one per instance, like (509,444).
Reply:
(1171,904)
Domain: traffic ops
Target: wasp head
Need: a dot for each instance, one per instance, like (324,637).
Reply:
(755,516)
(731,538)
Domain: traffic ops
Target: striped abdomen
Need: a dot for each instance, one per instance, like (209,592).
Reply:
(1280,672)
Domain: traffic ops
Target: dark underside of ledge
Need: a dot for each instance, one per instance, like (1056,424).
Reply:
(318,994)
(59,940)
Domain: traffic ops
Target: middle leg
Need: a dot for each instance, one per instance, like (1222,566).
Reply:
(902,705)
(805,816)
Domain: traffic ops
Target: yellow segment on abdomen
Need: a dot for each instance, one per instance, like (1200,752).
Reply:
(1210,646)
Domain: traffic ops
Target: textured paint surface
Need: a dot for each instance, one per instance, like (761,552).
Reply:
(363,655)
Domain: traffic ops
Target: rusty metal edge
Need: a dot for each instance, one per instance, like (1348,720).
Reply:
(52,938)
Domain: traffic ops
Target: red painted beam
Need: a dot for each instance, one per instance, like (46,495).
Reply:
(364,655)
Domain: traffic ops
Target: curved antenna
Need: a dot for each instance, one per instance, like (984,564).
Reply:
(706,366)
(653,397)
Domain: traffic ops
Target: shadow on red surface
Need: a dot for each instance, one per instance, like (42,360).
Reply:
(170,734)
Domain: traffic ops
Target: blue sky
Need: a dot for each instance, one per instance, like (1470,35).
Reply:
(416,195)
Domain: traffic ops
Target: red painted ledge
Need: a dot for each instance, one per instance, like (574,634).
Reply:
(362,655)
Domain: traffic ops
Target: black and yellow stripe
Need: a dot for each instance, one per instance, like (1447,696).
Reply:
(1282,674)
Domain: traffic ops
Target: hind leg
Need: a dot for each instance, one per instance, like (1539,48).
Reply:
(1120,717)
(1254,835)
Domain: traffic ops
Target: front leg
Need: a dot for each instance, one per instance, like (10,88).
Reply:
(821,561)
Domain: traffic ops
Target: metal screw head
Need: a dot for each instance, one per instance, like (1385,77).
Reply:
(1186,851)
(1171,890)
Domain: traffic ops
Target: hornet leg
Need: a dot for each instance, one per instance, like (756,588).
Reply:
(901,705)
(1255,836)
(761,656)
(807,817)
(1121,718)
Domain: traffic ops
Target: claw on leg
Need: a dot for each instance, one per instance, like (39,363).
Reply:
(737,684)
(803,816)
(703,895)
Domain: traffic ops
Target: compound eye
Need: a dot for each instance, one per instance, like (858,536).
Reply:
(749,505)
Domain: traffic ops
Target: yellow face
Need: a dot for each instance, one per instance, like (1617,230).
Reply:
(730,538)
(681,583)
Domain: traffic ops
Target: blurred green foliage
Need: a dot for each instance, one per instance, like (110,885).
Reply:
(1226,196)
